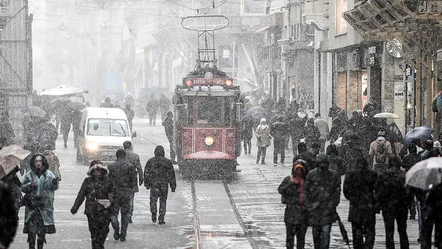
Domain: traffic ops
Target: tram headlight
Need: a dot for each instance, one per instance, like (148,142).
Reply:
(229,82)
(189,83)
(209,141)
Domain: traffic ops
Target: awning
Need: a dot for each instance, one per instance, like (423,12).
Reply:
(262,29)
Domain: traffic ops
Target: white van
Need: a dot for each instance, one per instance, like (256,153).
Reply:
(102,133)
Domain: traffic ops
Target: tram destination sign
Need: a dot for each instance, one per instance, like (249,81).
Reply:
(208,81)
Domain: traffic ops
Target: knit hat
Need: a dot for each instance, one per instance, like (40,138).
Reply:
(322,158)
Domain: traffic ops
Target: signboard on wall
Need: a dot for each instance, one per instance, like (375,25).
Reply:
(399,91)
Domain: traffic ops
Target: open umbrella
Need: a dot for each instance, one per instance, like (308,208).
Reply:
(386,115)
(60,100)
(63,90)
(10,157)
(422,133)
(343,232)
(425,174)
(35,111)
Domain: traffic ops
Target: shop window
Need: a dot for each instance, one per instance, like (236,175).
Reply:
(253,7)
(341,23)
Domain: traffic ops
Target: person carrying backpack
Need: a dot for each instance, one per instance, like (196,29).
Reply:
(380,150)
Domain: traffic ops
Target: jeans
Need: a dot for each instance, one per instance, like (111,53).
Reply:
(321,236)
(261,152)
(155,194)
(363,229)
(297,230)
(401,220)
(122,203)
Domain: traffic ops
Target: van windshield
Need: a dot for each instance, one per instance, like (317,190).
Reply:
(107,127)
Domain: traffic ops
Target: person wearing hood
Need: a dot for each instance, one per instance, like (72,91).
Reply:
(278,131)
(39,185)
(359,189)
(124,178)
(263,137)
(380,150)
(159,174)
(322,196)
(292,190)
(98,191)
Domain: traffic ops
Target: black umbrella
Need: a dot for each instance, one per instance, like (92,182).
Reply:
(256,113)
(35,111)
(343,232)
(422,133)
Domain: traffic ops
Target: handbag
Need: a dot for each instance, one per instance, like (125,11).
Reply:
(103,204)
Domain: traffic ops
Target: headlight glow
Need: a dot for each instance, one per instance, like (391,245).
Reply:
(229,82)
(92,146)
(209,141)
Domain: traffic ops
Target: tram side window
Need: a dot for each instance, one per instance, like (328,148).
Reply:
(209,110)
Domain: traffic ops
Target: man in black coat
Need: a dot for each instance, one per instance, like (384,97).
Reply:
(158,175)
(134,159)
(359,189)
(434,202)
(278,130)
(409,160)
(124,178)
(168,128)
(393,199)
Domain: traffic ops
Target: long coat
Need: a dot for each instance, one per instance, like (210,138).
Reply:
(359,189)
(392,195)
(134,159)
(263,136)
(159,172)
(295,212)
(8,214)
(322,192)
(92,189)
(45,189)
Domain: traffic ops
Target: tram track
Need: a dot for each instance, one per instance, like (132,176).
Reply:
(201,235)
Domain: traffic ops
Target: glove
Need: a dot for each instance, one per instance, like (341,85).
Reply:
(173,190)
(55,181)
(73,210)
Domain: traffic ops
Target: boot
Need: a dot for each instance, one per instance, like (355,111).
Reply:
(40,246)
(154,217)
(117,234)
(31,245)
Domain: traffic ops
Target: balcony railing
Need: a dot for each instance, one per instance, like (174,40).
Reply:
(424,6)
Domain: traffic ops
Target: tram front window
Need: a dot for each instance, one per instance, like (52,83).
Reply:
(210,110)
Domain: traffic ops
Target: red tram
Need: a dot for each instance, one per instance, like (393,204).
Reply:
(207,121)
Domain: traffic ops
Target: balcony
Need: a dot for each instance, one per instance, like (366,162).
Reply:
(316,12)
(5,12)
(269,52)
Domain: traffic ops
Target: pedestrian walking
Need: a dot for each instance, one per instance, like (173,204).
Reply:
(292,190)
(247,134)
(337,163)
(409,160)
(39,185)
(164,105)
(169,129)
(323,129)
(296,126)
(123,177)
(312,133)
(152,109)
(359,189)
(278,130)
(8,215)
(322,190)
(434,202)
(130,114)
(394,199)
(159,174)
(380,150)
(134,159)
(263,137)
(305,155)
(65,128)
(107,103)
(98,191)
(76,118)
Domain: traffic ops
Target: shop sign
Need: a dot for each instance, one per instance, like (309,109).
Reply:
(399,92)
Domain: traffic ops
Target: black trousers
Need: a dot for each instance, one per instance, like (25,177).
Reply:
(364,229)
(99,228)
(297,230)
(35,228)
(121,204)
(247,145)
(278,148)
(401,220)
(161,194)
